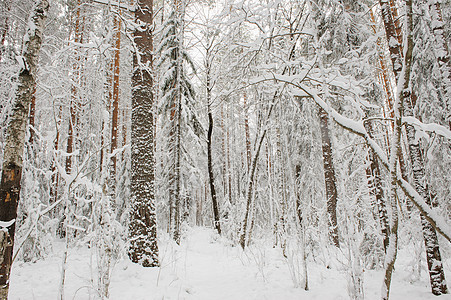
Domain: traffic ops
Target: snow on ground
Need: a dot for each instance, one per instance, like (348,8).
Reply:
(204,267)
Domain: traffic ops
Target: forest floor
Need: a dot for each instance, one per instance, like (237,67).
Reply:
(208,267)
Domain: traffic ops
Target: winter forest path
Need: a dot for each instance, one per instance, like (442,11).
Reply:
(207,267)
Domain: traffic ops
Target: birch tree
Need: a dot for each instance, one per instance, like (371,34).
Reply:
(10,184)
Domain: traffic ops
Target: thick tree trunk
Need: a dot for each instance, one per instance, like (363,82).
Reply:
(329,178)
(143,224)
(392,38)
(442,53)
(15,141)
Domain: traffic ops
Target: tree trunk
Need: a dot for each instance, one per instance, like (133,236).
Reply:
(32,117)
(247,131)
(73,102)
(5,29)
(250,187)
(392,38)
(175,179)
(115,98)
(329,178)
(224,156)
(375,186)
(402,76)
(281,225)
(211,176)
(433,257)
(209,153)
(250,193)
(143,224)
(15,141)
(441,53)
(229,164)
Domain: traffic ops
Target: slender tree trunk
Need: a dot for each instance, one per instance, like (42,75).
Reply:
(403,89)
(224,155)
(143,224)
(250,187)
(229,165)
(209,151)
(15,141)
(250,193)
(247,131)
(175,179)
(73,101)
(73,111)
(53,190)
(329,178)
(211,176)
(115,98)
(281,189)
(32,117)
(375,185)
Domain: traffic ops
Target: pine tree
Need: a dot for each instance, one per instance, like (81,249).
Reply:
(143,224)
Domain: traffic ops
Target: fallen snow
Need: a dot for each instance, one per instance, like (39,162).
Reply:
(206,267)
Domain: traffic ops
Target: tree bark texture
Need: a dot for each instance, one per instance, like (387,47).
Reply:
(441,53)
(143,224)
(433,256)
(375,186)
(5,28)
(329,178)
(15,140)
(115,94)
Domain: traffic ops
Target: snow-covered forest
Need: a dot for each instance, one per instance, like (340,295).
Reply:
(230,149)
